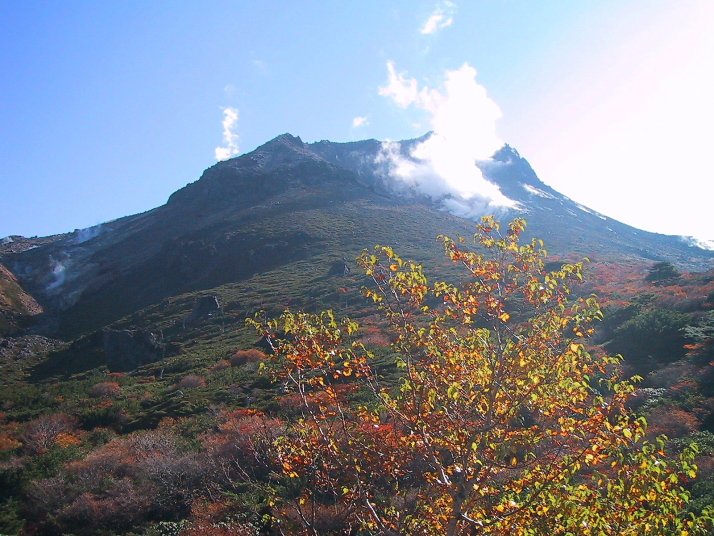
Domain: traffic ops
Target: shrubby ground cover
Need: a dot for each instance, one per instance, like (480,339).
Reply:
(485,405)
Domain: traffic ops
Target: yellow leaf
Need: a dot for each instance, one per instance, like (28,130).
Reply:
(504,317)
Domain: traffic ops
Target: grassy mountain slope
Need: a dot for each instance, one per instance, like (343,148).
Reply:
(277,228)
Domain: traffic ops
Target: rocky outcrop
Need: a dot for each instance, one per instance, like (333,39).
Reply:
(339,268)
(205,307)
(127,350)
(16,305)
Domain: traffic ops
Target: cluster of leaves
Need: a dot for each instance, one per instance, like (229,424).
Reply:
(502,422)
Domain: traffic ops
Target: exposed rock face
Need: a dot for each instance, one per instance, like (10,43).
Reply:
(26,347)
(272,208)
(16,306)
(205,307)
(127,350)
(13,297)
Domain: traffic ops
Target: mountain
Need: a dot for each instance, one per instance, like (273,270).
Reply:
(293,210)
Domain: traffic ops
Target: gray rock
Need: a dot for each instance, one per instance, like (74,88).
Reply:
(127,350)
(205,307)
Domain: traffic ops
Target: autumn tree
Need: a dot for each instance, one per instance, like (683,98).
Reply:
(502,421)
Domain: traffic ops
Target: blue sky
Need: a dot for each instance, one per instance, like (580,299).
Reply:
(106,108)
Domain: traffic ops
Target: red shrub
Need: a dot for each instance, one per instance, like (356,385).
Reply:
(9,434)
(105,390)
(116,375)
(223,364)
(375,337)
(121,504)
(240,449)
(243,357)
(673,422)
(41,433)
(192,381)
(145,475)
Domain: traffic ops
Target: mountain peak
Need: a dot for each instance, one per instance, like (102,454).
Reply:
(506,154)
(286,139)
(282,150)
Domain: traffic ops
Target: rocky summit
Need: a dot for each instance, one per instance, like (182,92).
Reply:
(285,203)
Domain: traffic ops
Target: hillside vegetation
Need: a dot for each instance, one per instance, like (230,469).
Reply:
(179,444)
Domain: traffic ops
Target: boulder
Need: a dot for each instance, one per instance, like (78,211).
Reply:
(205,307)
(339,268)
(127,350)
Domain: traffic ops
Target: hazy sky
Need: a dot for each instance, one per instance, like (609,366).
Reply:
(106,108)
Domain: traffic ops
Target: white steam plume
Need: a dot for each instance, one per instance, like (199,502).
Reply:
(463,120)
(442,17)
(57,276)
(230,138)
(82,235)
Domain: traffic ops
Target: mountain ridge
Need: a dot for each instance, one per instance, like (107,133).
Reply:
(285,201)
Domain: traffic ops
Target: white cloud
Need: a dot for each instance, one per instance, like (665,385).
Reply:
(360,122)
(463,120)
(442,17)
(230,138)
